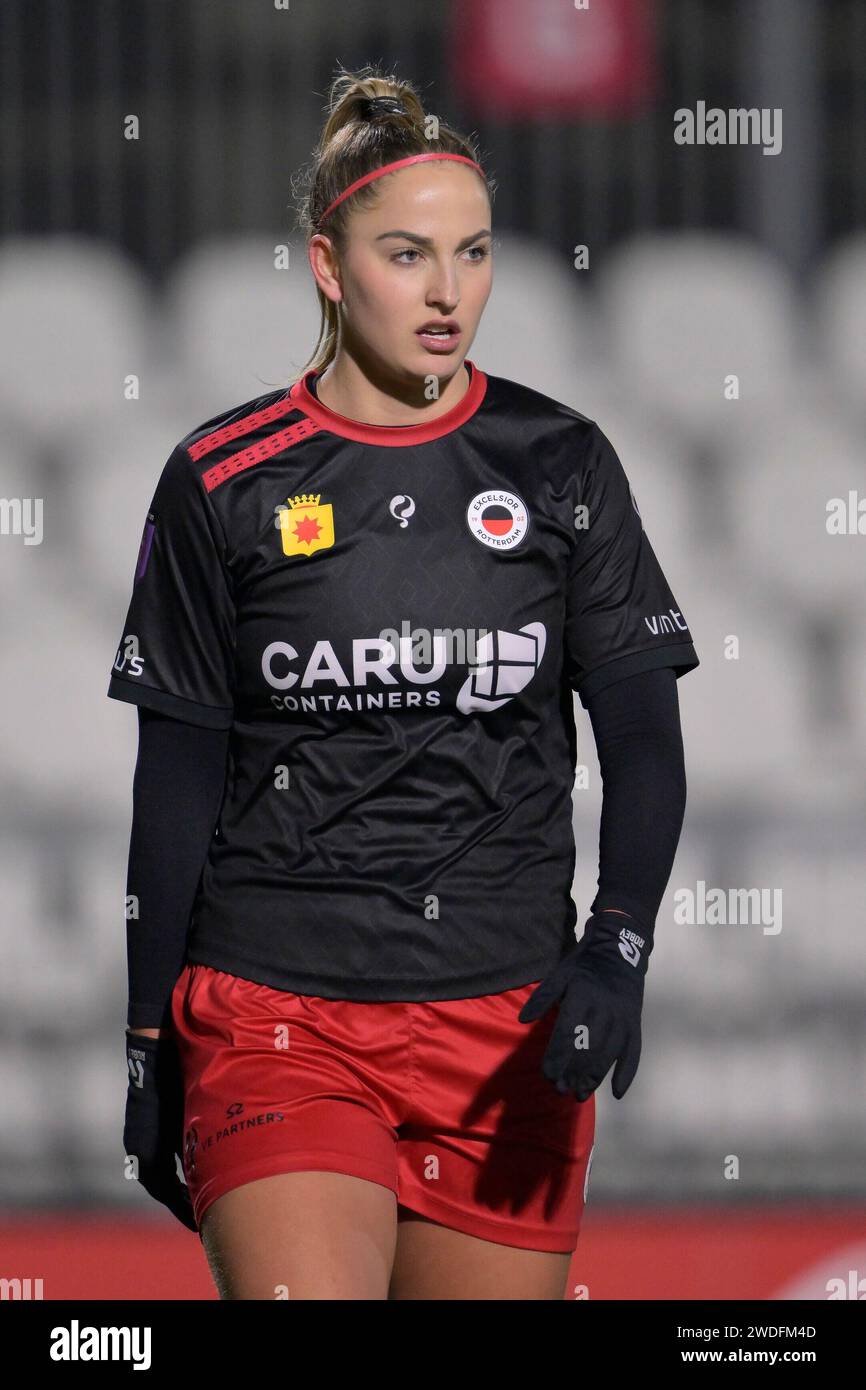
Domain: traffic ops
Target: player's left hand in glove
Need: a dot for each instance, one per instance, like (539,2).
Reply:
(599,986)
(153,1129)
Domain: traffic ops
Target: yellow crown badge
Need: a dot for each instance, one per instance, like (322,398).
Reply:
(306,524)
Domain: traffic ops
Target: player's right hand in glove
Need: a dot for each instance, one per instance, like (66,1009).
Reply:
(153,1129)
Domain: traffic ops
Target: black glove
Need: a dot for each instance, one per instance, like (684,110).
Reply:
(153,1131)
(600,985)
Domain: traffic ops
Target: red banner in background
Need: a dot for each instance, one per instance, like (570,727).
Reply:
(549,58)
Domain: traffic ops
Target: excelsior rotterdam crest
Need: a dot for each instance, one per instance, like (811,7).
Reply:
(306,524)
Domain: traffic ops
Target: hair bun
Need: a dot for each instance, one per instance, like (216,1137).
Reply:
(374,106)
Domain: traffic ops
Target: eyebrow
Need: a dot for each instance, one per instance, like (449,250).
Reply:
(428,241)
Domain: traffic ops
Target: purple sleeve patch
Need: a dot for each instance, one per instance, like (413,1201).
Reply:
(144,548)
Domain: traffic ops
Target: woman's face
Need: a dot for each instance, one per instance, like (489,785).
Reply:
(421,255)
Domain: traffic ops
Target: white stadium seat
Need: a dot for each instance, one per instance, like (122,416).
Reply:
(62,741)
(853,697)
(820,947)
(28,527)
(745,719)
(686,310)
(840,304)
(98,1078)
(240,326)
(113,474)
(77,319)
(538,326)
(27,1078)
(64,966)
(779,476)
(732,1092)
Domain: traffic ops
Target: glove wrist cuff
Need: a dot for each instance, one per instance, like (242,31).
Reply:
(153,1047)
(609,900)
(629,937)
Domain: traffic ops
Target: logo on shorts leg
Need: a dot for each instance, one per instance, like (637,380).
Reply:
(498,518)
(199,1144)
(190,1145)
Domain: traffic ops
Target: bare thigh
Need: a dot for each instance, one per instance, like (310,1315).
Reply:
(304,1235)
(435,1262)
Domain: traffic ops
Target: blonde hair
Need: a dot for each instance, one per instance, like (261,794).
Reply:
(351,145)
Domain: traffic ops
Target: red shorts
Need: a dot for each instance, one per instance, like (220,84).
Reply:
(445,1103)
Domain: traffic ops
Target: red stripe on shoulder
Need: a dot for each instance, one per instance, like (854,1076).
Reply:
(257,453)
(237,428)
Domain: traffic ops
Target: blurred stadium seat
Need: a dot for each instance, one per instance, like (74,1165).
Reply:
(538,326)
(779,473)
(740,718)
(61,743)
(115,469)
(238,324)
(22,485)
(840,305)
(684,310)
(78,317)
(71,961)
(820,955)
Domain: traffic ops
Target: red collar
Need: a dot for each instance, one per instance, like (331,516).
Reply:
(389,435)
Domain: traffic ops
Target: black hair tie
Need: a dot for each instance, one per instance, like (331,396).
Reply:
(374,106)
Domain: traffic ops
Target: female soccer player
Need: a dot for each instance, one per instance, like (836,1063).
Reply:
(360,609)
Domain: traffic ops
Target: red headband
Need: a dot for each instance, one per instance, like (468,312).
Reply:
(389,168)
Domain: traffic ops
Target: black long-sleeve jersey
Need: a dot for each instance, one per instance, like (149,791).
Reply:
(391,620)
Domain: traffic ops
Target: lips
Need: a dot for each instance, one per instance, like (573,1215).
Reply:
(440,335)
